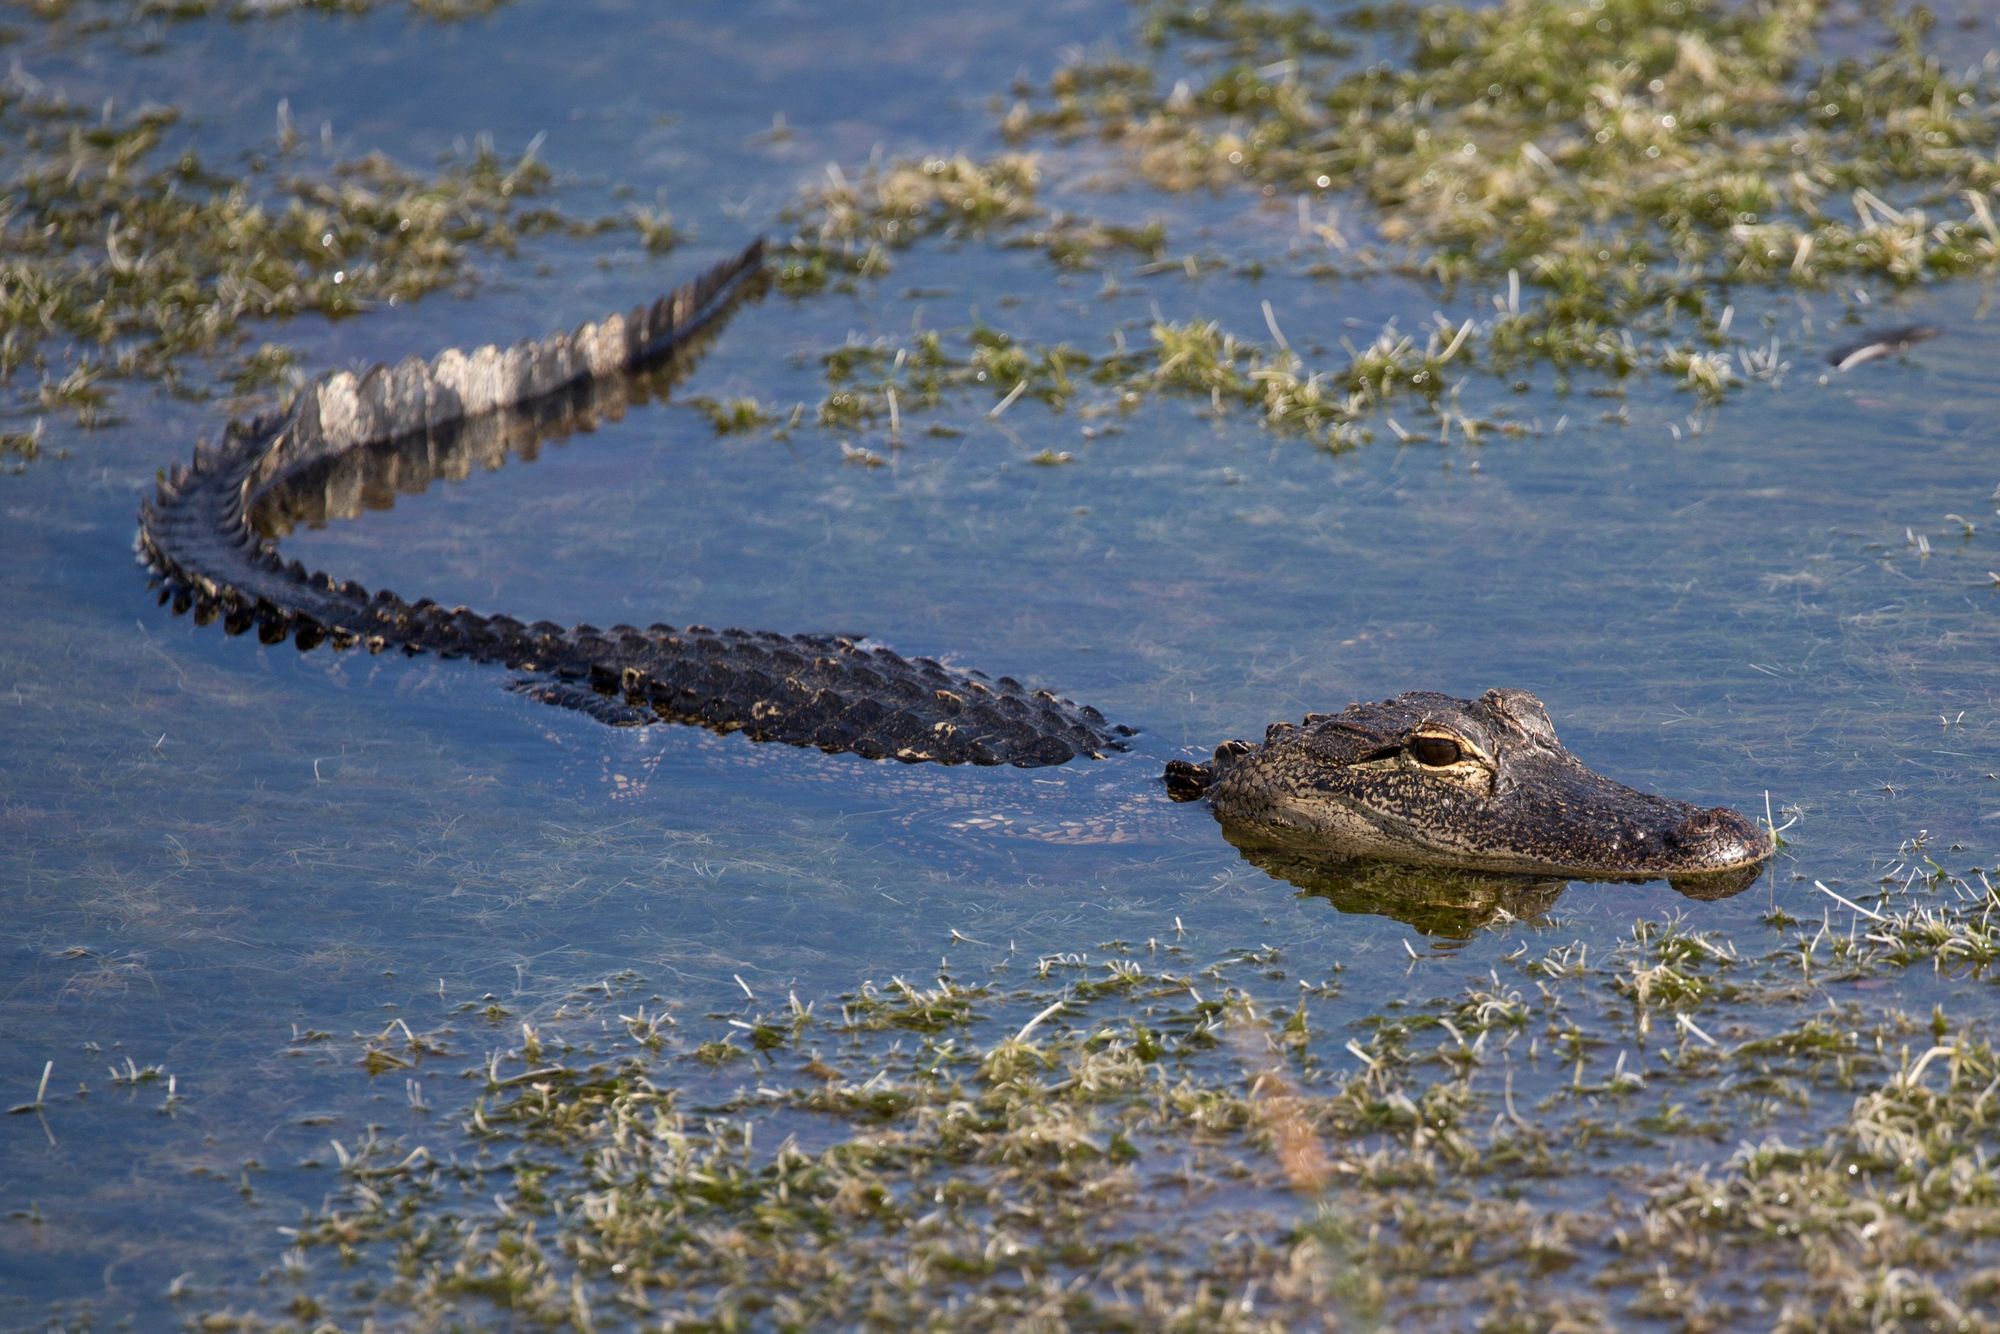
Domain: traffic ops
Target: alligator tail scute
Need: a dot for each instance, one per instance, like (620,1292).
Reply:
(200,537)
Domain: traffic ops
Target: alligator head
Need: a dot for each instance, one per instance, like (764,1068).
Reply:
(1479,785)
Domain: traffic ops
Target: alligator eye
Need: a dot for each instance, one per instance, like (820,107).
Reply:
(1436,751)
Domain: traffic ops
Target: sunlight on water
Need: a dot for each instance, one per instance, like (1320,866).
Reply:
(217,854)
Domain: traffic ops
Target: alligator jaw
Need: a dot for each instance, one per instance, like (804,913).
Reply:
(1478,785)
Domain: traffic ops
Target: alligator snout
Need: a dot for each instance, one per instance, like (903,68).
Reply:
(1719,839)
(1706,853)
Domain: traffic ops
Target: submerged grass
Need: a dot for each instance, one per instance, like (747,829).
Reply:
(122,255)
(1626,156)
(1151,1141)
(1594,187)
(125,255)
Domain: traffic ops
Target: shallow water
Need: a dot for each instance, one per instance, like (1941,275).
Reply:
(209,847)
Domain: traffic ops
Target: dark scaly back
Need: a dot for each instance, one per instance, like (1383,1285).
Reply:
(200,538)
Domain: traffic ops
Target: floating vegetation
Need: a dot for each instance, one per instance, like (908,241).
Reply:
(1592,196)
(896,205)
(123,254)
(21,447)
(1337,405)
(657,229)
(732,416)
(873,383)
(1626,156)
(847,228)
(1594,188)
(1130,1136)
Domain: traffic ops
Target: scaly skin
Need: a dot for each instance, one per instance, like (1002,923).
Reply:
(1479,785)
(829,691)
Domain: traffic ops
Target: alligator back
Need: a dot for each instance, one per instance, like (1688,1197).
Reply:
(200,537)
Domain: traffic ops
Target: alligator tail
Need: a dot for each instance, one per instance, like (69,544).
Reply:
(203,537)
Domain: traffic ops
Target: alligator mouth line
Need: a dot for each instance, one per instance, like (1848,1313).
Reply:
(1737,845)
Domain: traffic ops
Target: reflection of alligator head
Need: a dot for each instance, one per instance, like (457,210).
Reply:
(1436,900)
(1479,785)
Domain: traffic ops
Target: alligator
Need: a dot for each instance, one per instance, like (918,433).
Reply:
(1479,785)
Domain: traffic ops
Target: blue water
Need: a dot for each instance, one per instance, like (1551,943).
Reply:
(207,846)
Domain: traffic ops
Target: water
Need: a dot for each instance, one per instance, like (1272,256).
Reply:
(209,848)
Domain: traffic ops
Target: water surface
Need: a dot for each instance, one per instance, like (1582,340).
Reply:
(209,847)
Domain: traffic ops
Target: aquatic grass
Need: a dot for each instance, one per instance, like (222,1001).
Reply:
(944,1005)
(657,229)
(125,256)
(1908,1167)
(1336,403)
(850,226)
(732,416)
(1666,966)
(878,382)
(1635,154)
(1608,176)
(1955,928)
(1121,1142)
(19,448)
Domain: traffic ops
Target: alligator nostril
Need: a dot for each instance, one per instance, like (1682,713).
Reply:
(1722,837)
